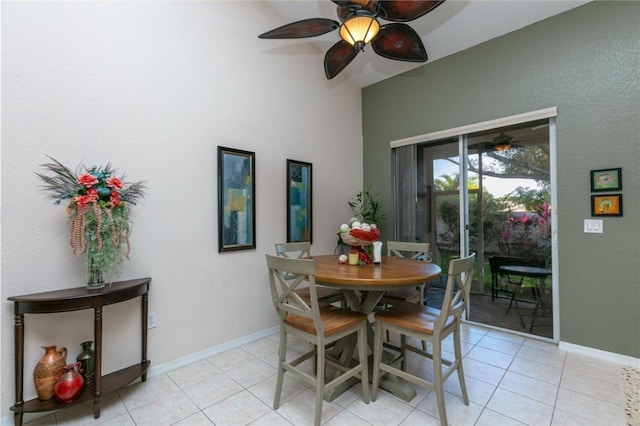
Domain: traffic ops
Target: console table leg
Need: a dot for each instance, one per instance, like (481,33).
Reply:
(97,381)
(97,405)
(18,346)
(145,316)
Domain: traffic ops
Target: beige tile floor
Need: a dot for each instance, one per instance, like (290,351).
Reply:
(511,380)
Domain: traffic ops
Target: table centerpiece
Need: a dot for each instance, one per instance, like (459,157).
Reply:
(358,235)
(362,229)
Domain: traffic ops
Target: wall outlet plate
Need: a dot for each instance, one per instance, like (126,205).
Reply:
(152,320)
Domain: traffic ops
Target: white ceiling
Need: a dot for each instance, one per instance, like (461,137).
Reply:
(452,27)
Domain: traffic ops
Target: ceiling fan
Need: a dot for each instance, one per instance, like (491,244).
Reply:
(502,142)
(360,26)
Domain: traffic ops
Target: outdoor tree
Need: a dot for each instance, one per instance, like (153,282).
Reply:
(494,210)
(516,163)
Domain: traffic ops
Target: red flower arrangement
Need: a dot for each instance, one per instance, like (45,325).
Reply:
(98,212)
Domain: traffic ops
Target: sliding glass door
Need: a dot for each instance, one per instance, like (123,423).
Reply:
(495,202)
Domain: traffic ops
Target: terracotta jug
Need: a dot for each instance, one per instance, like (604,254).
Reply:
(47,370)
(69,384)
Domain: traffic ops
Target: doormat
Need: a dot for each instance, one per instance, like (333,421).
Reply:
(631,385)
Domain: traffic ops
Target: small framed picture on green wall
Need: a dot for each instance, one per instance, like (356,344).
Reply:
(606,180)
(606,205)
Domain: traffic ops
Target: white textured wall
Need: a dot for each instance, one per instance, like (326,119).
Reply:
(154,88)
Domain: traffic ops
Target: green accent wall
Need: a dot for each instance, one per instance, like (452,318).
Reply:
(586,62)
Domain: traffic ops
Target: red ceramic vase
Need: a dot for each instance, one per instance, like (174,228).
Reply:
(69,385)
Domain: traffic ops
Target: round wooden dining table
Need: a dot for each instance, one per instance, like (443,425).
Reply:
(364,287)
(393,272)
(372,281)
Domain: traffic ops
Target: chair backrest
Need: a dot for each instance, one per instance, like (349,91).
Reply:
(285,276)
(294,250)
(457,293)
(419,251)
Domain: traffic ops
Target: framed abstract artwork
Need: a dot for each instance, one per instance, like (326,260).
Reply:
(299,223)
(236,200)
(606,180)
(606,205)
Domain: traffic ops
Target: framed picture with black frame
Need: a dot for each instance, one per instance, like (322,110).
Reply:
(606,205)
(299,202)
(606,180)
(236,200)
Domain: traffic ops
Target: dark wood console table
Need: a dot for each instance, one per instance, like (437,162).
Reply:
(74,299)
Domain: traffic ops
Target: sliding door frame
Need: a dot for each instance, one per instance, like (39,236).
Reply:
(462,133)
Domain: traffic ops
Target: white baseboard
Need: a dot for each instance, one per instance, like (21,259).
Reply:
(600,354)
(199,356)
(157,370)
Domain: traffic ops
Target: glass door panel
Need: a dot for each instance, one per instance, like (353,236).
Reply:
(512,166)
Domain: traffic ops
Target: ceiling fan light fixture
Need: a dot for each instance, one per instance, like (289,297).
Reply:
(502,142)
(503,146)
(359,30)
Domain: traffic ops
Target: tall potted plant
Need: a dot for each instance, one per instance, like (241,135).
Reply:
(367,208)
(98,212)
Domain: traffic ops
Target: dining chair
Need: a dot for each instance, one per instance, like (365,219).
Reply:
(301,250)
(427,324)
(417,251)
(320,324)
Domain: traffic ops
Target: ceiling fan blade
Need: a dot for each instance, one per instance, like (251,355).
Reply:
(399,42)
(301,29)
(404,10)
(338,57)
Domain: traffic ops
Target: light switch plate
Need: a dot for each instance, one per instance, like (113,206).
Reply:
(593,226)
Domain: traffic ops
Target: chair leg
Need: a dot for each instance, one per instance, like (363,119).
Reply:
(436,346)
(377,356)
(520,314)
(362,356)
(539,308)
(458,355)
(320,365)
(514,301)
(514,286)
(494,287)
(282,354)
(422,288)
(403,352)
(513,298)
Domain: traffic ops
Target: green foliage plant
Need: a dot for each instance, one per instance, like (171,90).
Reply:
(366,207)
